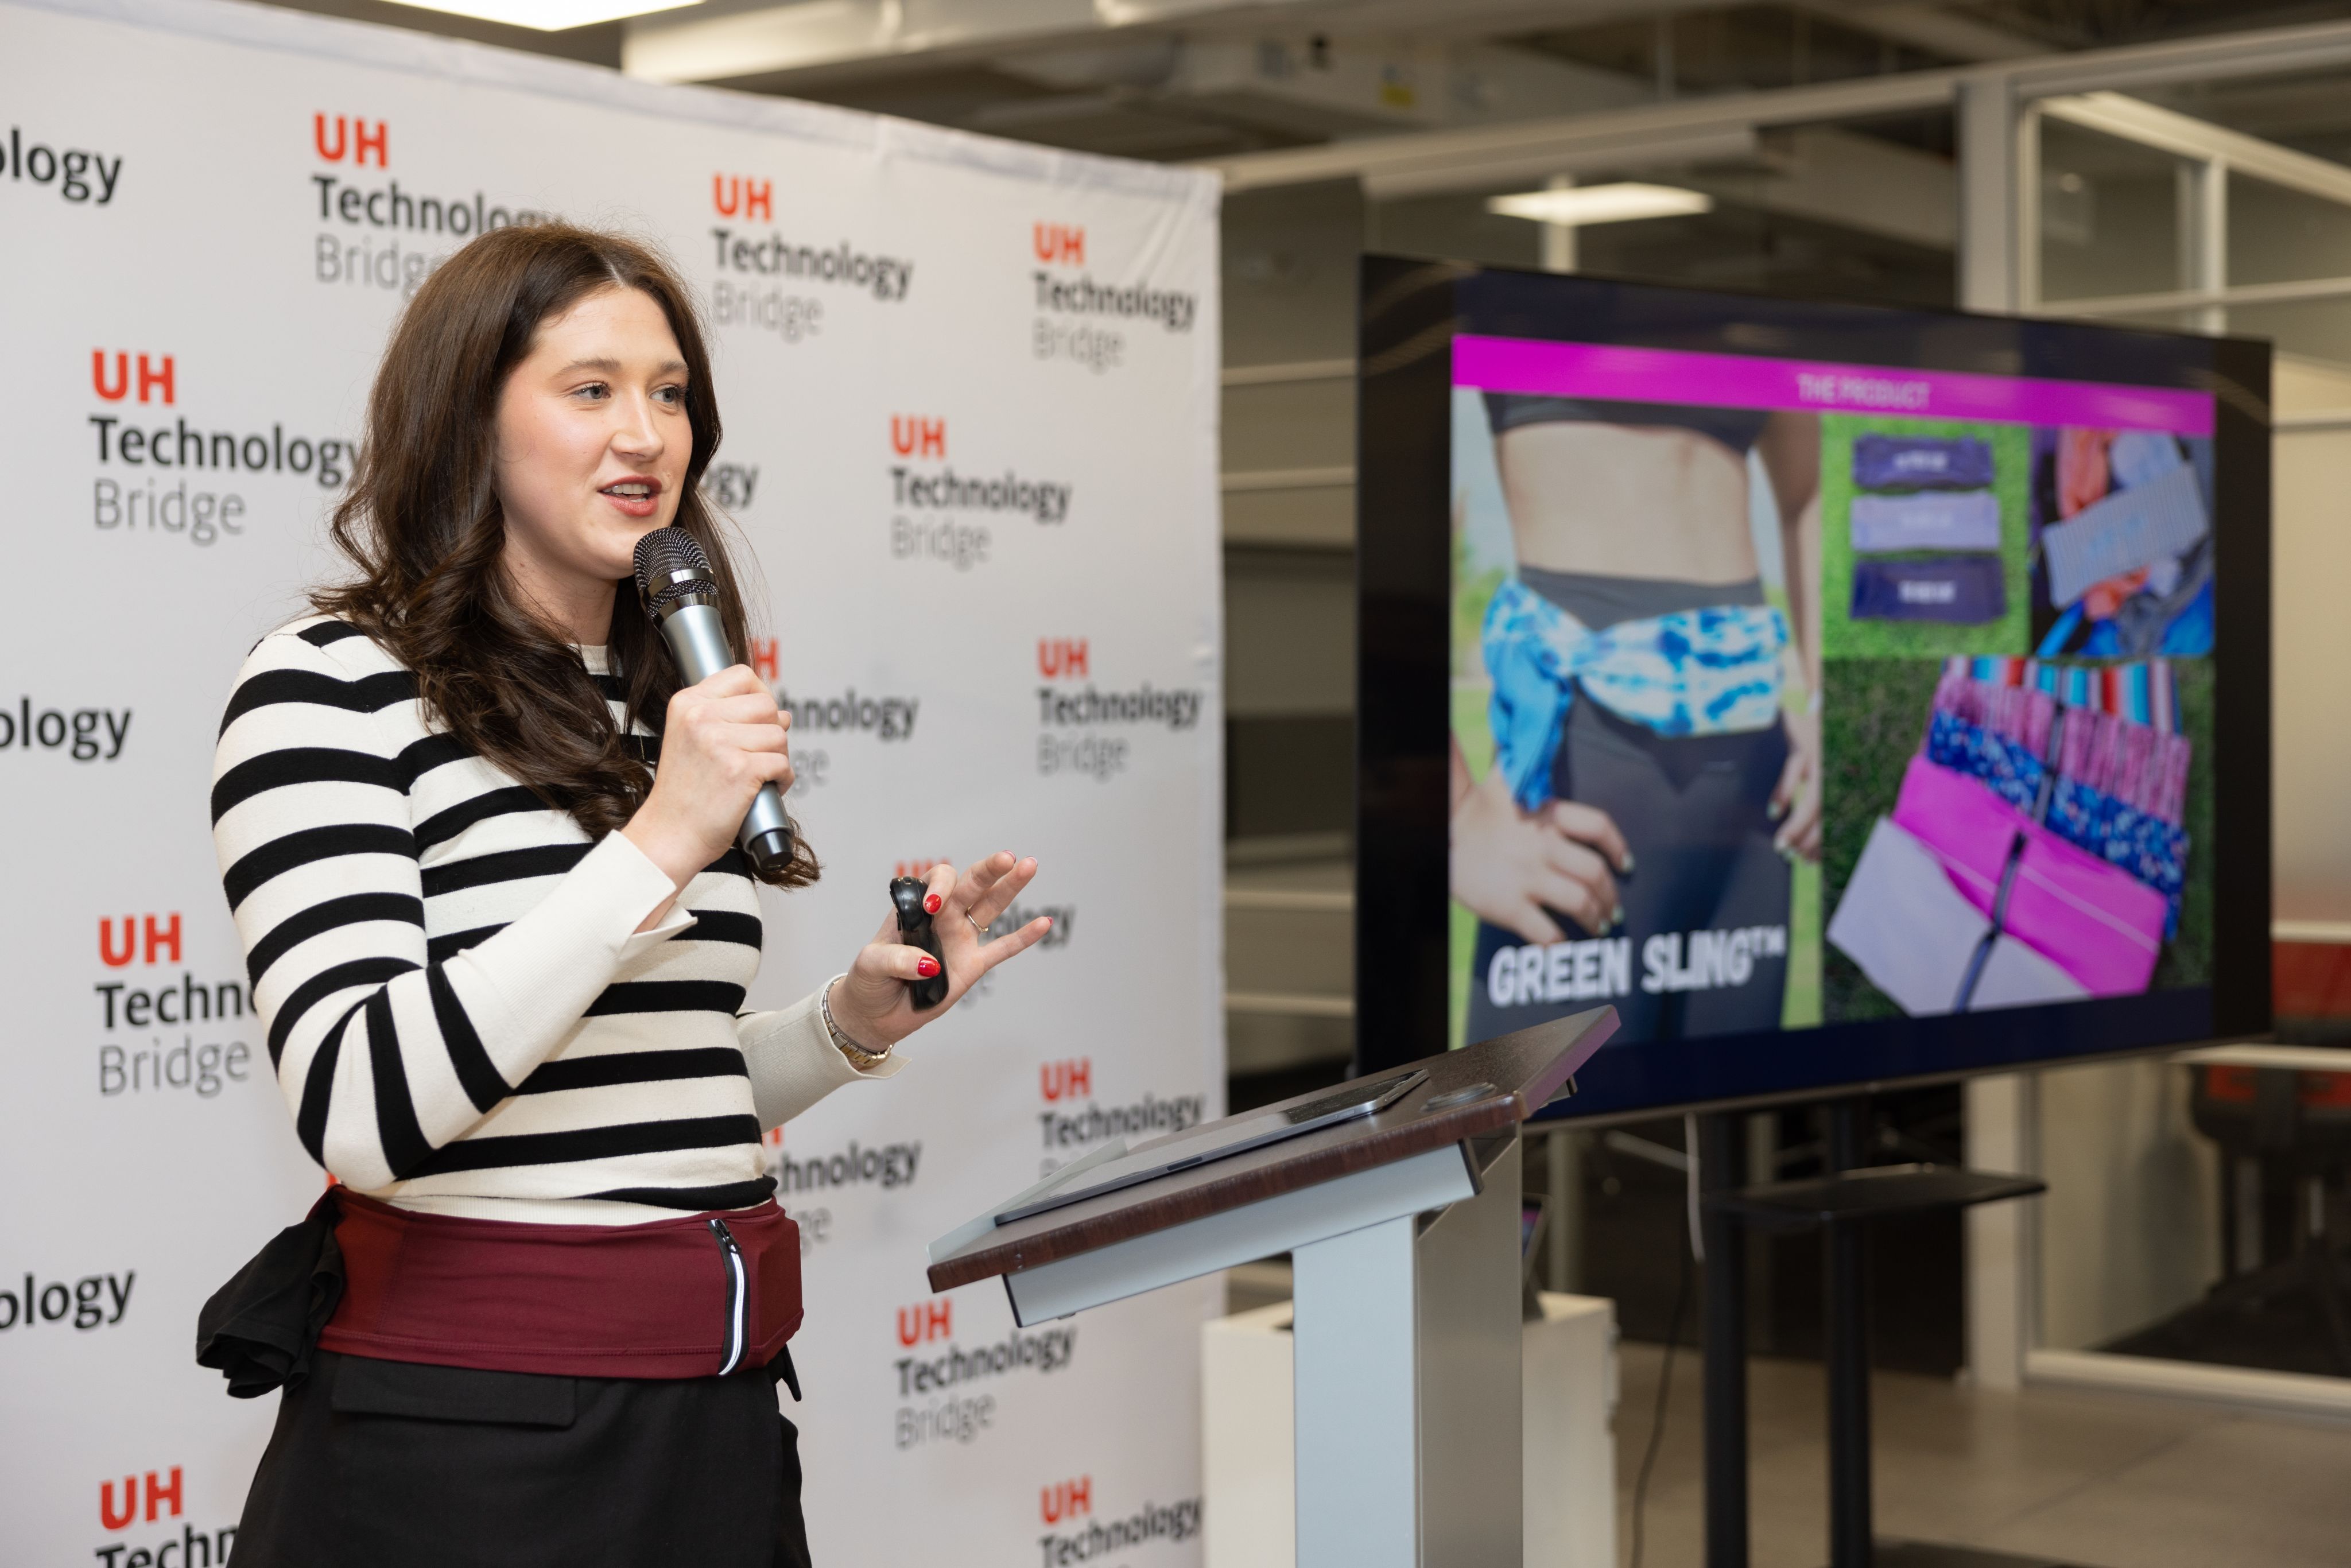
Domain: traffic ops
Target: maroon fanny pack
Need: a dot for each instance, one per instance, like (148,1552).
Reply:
(692,1297)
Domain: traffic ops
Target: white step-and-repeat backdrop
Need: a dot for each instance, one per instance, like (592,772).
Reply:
(970,391)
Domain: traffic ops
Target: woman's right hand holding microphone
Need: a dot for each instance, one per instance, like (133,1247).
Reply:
(722,740)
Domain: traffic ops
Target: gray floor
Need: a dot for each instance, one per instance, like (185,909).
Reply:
(2096,1479)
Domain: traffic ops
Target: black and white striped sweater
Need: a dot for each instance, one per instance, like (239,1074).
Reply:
(463,1016)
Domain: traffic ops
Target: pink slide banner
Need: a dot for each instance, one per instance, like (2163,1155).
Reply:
(1611,373)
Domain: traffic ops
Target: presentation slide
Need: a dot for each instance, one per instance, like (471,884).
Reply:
(1788,693)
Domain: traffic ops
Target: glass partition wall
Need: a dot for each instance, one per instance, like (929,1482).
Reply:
(2197,1215)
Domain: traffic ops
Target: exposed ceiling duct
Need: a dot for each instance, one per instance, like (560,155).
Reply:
(1413,98)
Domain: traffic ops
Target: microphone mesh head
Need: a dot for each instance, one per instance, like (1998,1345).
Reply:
(662,553)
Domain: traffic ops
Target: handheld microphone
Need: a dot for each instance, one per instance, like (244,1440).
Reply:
(681,593)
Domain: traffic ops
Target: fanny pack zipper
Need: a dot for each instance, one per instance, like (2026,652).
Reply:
(731,1255)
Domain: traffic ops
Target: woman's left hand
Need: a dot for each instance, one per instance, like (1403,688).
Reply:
(871,1003)
(1796,803)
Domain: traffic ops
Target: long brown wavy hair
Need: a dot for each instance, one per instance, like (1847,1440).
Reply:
(423,525)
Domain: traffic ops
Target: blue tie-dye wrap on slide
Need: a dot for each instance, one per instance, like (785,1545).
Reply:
(1694,672)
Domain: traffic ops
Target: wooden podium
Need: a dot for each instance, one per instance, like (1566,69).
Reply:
(1403,1229)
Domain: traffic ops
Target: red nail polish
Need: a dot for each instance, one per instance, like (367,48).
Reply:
(931,904)
(926,967)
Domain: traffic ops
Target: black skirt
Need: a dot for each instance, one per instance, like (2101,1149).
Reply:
(384,1464)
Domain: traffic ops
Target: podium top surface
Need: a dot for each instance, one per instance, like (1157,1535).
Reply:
(1469,1094)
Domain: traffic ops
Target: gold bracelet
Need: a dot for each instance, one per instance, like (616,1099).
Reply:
(859,1057)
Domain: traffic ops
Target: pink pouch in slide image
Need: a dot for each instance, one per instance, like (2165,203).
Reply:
(2095,921)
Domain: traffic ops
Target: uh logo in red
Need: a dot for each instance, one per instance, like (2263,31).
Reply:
(1066,1080)
(741,195)
(159,939)
(1059,244)
(912,435)
(155,376)
(926,1320)
(159,1493)
(1066,1500)
(1060,658)
(352,138)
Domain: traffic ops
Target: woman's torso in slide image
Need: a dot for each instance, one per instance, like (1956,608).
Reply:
(1620,501)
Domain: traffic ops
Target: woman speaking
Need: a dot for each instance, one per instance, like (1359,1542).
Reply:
(479,847)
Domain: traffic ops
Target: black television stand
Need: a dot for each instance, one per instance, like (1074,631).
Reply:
(1842,1204)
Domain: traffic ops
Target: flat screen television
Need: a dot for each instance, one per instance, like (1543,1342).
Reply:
(1851,697)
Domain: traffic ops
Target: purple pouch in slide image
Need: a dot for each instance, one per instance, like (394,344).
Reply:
(1930,519)
(2092,920)
(1959,590)
(1921,462)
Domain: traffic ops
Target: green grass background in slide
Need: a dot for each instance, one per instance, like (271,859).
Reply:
(1872,719)
(1800,1005)
(1843,638)
(1875,714)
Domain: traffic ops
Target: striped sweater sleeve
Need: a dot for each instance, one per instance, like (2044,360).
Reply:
(792,1060)
(384,1054)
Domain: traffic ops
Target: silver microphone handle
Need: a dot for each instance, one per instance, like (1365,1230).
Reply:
(697,641)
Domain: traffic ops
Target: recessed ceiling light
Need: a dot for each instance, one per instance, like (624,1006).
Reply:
(548,16)
(1579,205)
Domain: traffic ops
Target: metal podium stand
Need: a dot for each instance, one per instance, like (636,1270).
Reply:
(1403,1230)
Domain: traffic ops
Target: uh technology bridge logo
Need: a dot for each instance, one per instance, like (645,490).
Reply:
(1075,309)
(949,1389)
(79,176)
(141,1011)
(162,474)
(376,234)
(130,1508)
(1074,1122)
(766,274)
(1090,731)
(1062,1505)
(823,719)
(944,514)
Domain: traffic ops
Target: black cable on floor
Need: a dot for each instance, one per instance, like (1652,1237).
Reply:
(1658,1419)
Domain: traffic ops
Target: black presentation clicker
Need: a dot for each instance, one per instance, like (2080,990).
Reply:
(916,930)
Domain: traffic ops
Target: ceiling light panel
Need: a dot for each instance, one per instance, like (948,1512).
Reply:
(548,16)
(1577,205)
